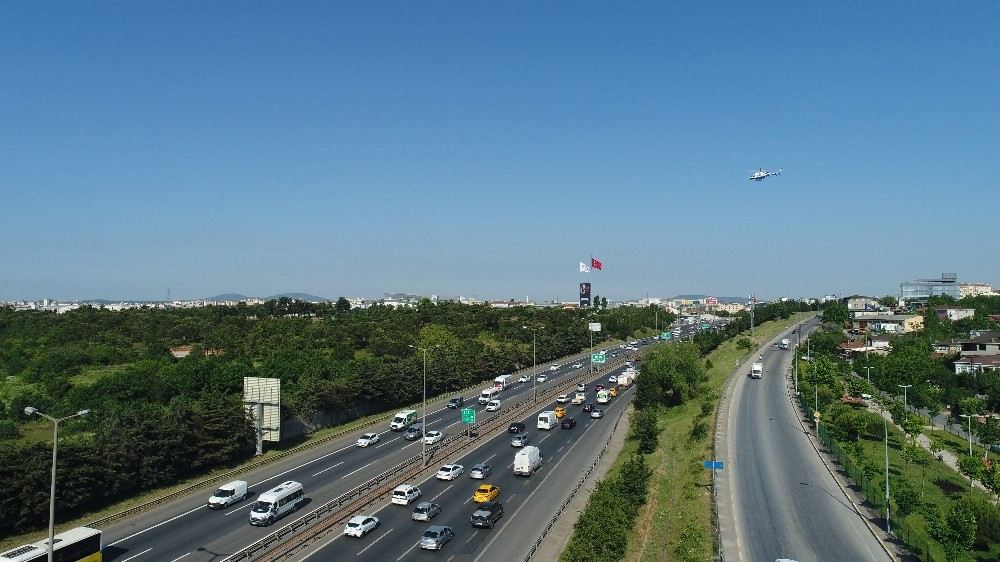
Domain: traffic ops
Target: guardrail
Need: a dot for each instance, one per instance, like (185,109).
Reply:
(572,494)
(229,475)
(320,520)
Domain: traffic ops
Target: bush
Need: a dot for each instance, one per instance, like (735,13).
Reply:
(699,430)
(9,430)
(645,430)
(745,343)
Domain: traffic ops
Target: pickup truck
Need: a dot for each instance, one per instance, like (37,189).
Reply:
(580,398)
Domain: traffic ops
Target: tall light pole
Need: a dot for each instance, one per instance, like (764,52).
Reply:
(885,426)
(534,360)
(970,430)
(423,416)
(904,387)
(868,371)
(30,410)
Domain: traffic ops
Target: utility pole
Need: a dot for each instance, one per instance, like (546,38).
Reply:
(885,426)
(868,371)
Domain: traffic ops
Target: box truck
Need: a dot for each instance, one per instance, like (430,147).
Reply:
(757,370)
(403,420)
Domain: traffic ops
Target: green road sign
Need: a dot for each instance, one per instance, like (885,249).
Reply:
(468,415)
(597,358)
(666,336)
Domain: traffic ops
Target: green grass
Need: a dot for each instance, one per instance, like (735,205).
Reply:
(676,522)
(90,375)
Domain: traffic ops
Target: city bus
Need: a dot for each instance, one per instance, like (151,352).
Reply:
(81,544)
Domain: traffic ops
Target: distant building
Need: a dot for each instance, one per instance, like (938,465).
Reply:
(864,305)
(888,323)
(977,364)
(975,289)
(955,314)
(921,290)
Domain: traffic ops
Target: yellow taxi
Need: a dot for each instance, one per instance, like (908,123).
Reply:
(613,391)
(560,412)
(485,493)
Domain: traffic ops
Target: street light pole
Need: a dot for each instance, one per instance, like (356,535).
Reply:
(868,371)
(423,415)
(29,410)
(885,426)
(534,360)
(970,430)
(904,387)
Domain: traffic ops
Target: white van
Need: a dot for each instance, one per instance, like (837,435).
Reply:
(228,494)
(491,393)
(276,503)
(527,461)
(547,420)
(403,420)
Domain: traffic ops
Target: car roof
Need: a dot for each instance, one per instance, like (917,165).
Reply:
(437,528)
(359,518)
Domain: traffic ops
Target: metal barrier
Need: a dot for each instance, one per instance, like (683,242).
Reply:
(362,496)
(566,502)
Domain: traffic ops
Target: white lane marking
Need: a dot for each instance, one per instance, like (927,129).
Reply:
(371,544)
(450,558)
(137,555)
(242,507)
(443,491)
(329,468)
(307,463)
(471,536)
(359,469)
(150,528)
(544,438)
(559,450)
(490,457)
(407,551)
(452,423)
(179,557)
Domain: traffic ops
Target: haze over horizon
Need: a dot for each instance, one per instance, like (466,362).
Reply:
(484,150)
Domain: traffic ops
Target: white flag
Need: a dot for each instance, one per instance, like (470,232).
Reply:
(584,268)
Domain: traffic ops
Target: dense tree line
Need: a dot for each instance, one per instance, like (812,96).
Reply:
(156,419)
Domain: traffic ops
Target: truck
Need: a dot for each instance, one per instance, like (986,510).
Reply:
(626,379)
(490,393)
(785,342)
(503,381)
(527,461)
(603,396)
(547,420)
(403,420)
(757,370)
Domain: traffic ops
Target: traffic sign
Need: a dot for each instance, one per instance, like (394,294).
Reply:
(714,465)
(468,415)
(816,415)
(666,336)
(597,358)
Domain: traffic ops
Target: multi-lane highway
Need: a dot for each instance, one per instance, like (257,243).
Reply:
(528,503)
(785,502)
(186,529)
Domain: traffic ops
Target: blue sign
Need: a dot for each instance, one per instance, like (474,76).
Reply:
(715,465)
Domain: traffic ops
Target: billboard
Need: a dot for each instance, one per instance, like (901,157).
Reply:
(584,294)
(262,400)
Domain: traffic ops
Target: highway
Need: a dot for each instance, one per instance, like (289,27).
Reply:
(785,502)
(186,529)
(529,503)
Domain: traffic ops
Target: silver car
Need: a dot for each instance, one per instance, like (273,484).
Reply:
(480,471)
(435,537)
(425,511)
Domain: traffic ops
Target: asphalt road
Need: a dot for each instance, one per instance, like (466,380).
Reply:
(186,529)
(786,503)
(529,503)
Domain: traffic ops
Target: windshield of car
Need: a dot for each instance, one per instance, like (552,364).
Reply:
(430,534)
(353,523)
(224,493)
(261,507)
(422,508)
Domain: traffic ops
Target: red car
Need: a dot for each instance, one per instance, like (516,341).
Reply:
(598,387)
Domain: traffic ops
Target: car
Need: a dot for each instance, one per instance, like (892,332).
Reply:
(520,440)
(524,378)
(487,514)
(597,413)
(542,378)
(612,379)
(567,423)
(485,493)
(404,494)
(425,511)
(598,387)
(449,471)
(562,398)
(367,439)
(560,412)
(554,367)
(581,387)
(414,432)
(516,427)
(577,365)
(360,525)
(480,471)
(435,537)
(580,398)
(493,406)
(588,407)
(613,391)
(456,402)
(432,437)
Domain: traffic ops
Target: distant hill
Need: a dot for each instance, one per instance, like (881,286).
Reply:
(300,297)
(228,297)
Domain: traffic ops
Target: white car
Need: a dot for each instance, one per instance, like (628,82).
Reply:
(581,387)
(493,406)
(577,365)
(449,472)
(361,525)
(542,378)
(612,379)
(524,378)
(562,398)
(555,367)
(367,439)
(432,437)
(404,494)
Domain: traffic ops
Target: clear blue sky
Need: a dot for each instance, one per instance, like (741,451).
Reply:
(486,148)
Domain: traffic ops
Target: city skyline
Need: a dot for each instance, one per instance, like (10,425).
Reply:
(475,150)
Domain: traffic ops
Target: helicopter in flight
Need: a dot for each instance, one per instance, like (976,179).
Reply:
(761,174)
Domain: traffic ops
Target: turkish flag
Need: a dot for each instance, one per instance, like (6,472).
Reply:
(596,264)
